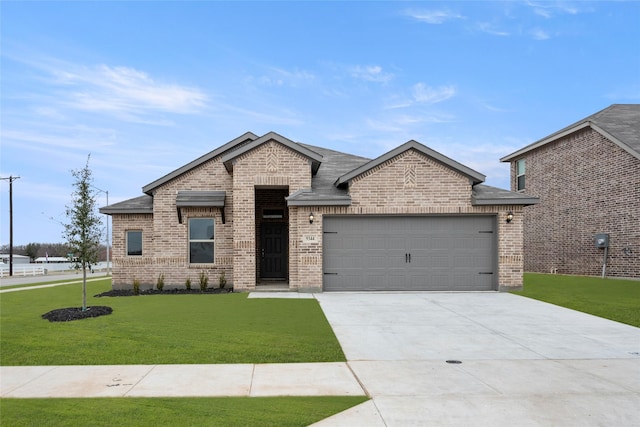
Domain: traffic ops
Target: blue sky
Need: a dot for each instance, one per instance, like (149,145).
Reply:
(146,87)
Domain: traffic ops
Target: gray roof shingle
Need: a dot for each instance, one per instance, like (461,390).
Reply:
(618,122)
(325,190)
(142,204)
(487,195)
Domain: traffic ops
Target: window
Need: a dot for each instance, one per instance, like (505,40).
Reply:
(134,243)
(272,213)
(201,240)
(520,165)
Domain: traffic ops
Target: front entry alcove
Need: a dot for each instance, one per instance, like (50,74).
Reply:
(272,235)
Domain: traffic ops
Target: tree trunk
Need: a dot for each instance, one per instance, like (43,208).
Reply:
(84,287)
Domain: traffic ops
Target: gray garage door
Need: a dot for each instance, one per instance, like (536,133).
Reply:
(432,253)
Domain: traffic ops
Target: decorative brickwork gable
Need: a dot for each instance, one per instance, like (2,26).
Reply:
(432,184)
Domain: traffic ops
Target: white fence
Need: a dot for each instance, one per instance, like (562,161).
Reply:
(23,270)
(42,269)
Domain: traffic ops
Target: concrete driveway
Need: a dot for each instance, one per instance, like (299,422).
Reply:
(523,362)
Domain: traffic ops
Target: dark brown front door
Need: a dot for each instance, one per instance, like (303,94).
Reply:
(273,252)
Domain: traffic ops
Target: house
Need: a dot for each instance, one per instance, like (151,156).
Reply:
(265,209)
(17,259)
(587,177)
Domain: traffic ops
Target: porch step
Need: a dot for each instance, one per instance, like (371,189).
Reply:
(272,287)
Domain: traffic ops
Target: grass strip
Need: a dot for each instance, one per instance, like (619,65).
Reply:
(175,412)
(613,299)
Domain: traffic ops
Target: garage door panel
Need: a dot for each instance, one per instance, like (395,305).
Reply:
(447,253)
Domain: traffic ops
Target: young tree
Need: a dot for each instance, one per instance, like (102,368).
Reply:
(83,230)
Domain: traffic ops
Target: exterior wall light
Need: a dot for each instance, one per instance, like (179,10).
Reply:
(509,217)
(310,217)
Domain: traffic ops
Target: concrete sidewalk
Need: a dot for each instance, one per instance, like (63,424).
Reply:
(248,380)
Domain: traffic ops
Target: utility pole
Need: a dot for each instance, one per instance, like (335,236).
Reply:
(10,179)
(108,263)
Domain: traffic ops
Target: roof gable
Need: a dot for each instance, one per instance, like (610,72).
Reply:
(315,158)
(620,123)
(229,146)
(474,176)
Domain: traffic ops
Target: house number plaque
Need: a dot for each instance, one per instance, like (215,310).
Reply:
(309,238)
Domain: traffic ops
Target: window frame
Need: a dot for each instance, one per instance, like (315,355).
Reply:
(127,233)
(212,241)
(521,174)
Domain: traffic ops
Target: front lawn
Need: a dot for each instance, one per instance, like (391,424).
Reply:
(163,329)
(140,412)
(613,299)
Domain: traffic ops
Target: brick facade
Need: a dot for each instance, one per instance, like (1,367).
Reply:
(586,184)
(271,165)
(409,183)
(165,240)
(436,190)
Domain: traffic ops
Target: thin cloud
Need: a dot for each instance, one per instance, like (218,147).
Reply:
(405,123)
(493,108)
(434,17)
(282,77)
(421,94)
(123,92)
(550,9)
(424,94)
(70,138)
(489,28)
(539,34)
(127,91)
(371,73)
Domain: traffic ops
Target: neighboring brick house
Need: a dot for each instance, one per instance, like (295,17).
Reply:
(265,209)
(587,177)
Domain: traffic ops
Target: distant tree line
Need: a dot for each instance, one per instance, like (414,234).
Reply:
(36,250)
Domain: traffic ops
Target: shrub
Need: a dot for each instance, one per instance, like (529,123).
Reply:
(187,283)
(204,281)
(222,281)
(136,287)
(160,282)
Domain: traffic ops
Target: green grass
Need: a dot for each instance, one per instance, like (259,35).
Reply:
(163,329)
(612,299)
(175,412)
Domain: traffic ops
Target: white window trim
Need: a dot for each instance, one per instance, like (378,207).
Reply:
(200,240)
(518,175)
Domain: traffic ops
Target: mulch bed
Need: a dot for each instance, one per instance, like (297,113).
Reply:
(177,291)
(76,313)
